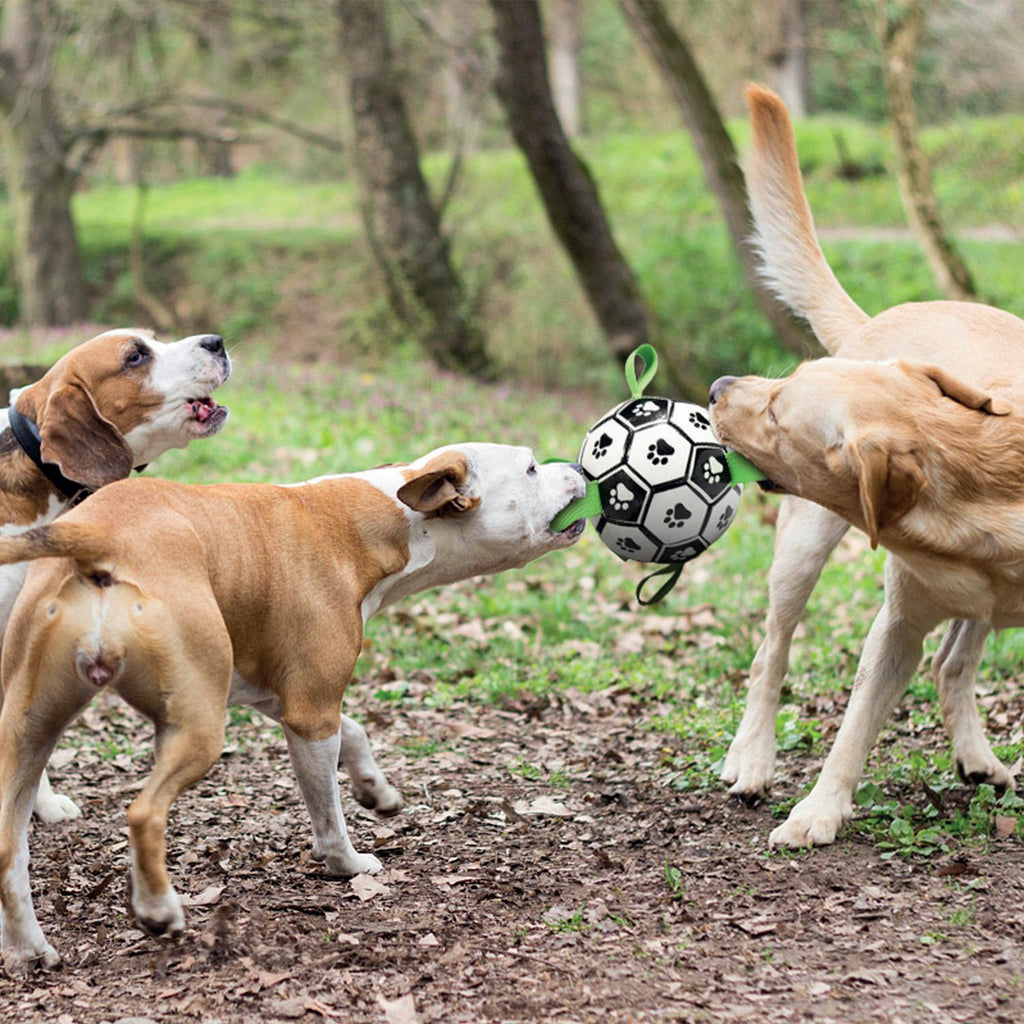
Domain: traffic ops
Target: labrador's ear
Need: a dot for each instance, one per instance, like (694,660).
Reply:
(75,436)
(439,487)
(960,391)
(889,483)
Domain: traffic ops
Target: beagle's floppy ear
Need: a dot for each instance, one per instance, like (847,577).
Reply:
(960,391)
(436,489)
(889,483)
(88,448)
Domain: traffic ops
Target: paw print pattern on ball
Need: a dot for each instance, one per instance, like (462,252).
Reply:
(713,470)
(627,545)
(645,410)
(698,419)
(677,516)
(659,452)
(601,446)
(724,519)
(620,497)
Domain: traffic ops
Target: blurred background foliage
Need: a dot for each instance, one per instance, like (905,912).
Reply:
(216,137)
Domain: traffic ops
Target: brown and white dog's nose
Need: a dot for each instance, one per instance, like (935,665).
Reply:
(213,343)
(718,387)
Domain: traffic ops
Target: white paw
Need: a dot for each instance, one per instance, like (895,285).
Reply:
(53,808)
(350,864)
(20,961)
(984,768)
(378,795)
(159,915)
(750,766)
(811,823)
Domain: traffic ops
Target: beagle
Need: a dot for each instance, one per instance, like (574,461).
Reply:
(240,593)
(109,405)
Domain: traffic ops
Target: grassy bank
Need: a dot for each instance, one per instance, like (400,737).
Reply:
(283,262)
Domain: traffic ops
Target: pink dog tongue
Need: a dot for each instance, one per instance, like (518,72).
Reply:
(202,409)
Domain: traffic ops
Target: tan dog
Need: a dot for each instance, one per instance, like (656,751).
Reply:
(975,343)
(929,467)
(111,404)
(272,582)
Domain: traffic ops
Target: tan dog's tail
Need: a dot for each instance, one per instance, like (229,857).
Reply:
(84,542)
(792,261)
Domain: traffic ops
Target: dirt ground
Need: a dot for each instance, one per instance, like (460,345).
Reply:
(543,869)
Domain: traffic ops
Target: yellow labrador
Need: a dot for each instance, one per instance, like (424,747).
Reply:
(977,344)
(928,466)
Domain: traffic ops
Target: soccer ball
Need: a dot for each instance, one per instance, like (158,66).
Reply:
(664,482)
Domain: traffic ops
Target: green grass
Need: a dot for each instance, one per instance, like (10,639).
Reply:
(269,259)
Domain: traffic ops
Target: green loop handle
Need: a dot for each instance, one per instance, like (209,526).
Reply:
(670,572)
(649,357)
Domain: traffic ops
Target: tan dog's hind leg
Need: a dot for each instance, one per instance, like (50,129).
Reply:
(806,535)
(954,668)
(891,653)
(178,676)
(29,728)
(369,784)
(184,756)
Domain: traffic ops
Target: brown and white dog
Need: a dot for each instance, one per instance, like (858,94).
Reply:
(928,466)
(975,343)
(110,404)
(244,593)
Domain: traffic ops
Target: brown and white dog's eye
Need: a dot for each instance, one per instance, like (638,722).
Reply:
(137,357)
(531,470)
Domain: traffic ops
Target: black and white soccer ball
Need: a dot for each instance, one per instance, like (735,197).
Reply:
(664,482)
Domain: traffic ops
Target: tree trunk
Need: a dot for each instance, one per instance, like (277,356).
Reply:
(401,221)
(673,58)
(50,285)
(566,37)
(789,61)
(566,188)
(899,31)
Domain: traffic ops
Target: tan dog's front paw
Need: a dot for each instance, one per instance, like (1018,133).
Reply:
(20,961)
(378,795)
(350,864)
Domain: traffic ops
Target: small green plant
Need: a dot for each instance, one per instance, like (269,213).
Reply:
(526,770)
(421,747)
(674,881)
(574,922)
(794,732)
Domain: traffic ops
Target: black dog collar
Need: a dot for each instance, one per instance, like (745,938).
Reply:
(26,433)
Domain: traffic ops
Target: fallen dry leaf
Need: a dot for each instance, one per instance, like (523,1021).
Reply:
(399,1011)
(366,887)
(206,898)
(1006,825)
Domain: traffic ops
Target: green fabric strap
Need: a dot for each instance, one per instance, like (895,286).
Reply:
(649,359)
(741,470)
(582,508)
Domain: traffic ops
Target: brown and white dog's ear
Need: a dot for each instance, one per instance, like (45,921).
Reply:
(88,448)
(437,488)
(960,391)
(889,483)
